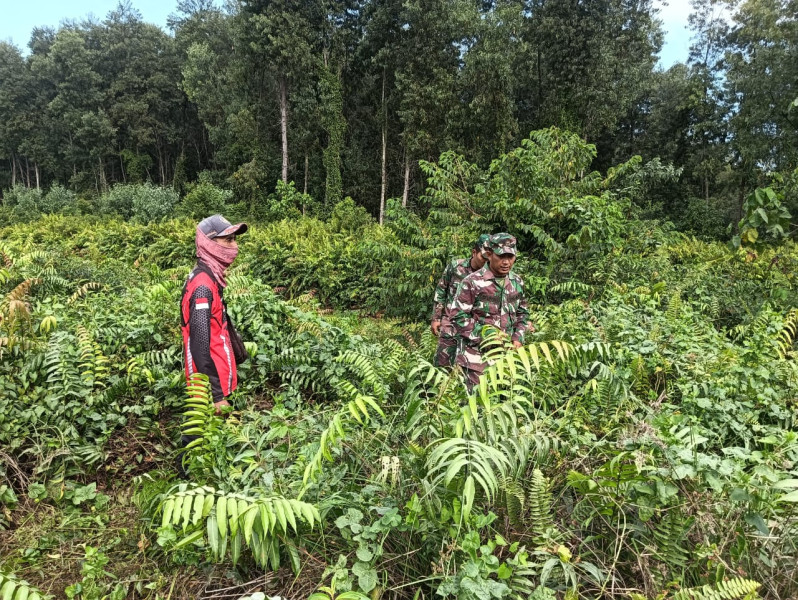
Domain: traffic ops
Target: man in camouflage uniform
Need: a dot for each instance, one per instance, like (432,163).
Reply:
(492,296)
(444,294)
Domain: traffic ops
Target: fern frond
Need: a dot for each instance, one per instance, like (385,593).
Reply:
(541,518)
(786,337)
(480,464)
(669,536)
(258,522)
(732,589)
(13,588)
(674,305)
(94,364)
(84,290)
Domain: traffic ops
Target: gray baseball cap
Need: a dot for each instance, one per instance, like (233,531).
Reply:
(218,226)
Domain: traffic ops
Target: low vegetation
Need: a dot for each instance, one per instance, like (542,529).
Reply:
(641,443)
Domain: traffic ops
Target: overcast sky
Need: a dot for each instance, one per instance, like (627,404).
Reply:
(20,17)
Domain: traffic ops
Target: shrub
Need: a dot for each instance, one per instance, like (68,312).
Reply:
(284,203)
(203,200)
(119,201)
(349,217)
(27,202)
(142,202)
(59,199)
(153,203)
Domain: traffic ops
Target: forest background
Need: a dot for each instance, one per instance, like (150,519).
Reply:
(345,98)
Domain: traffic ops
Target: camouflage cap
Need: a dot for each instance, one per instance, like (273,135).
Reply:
(482,241)
(502,243)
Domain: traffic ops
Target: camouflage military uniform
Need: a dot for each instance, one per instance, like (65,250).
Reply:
(454,273)
(479,302)
(444,292)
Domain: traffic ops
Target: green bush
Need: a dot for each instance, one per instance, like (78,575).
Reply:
(119,200)
(153,203)
(141,202)
(59,200)
(203,200)
(27,202)
(349,217)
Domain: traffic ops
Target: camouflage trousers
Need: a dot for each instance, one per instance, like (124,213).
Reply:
(471,378)
(446,352)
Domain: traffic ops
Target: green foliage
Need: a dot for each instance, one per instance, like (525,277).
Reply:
(16,589)
(59,200)
(140,202)
(765,217)
(348,217)
(26,201)
(642,438)
(260,523)
(203,200)
(152,203)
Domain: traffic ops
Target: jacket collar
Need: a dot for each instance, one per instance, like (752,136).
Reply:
(486,273)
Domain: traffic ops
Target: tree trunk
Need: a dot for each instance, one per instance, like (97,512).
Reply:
(540,86)
(406,192)
(284,125)
(384,172)
(305,189)
(13,171)
(36,170)
(103,180)
(161,166)
(740,199)
(27,172)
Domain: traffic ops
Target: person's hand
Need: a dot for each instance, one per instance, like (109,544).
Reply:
(219,406)
(436,328)
(517,344)
(531,328)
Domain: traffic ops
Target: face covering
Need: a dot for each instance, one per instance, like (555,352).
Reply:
(215,256)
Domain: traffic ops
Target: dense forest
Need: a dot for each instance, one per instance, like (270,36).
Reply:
(641,443)
(347,97)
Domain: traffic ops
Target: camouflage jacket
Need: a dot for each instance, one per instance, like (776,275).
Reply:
(480,301)
(447,285)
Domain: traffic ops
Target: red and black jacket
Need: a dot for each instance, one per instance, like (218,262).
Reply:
(206,338)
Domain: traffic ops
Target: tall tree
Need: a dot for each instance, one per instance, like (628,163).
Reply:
(433,35)
(278,36)
(587,62)
(13,99)
(761,79)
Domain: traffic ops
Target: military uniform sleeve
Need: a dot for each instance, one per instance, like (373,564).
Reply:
(201,305)
(460,312)
(439,300)
(521,314)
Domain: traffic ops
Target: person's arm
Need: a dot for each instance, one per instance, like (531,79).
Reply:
(439,299)
(200,307)
(521,316)
(459,312)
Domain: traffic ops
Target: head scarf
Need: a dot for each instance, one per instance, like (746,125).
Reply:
(215,256)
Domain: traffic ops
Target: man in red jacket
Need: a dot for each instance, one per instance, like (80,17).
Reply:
(207,347)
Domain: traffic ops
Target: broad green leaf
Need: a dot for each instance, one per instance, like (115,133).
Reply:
(168,507)
(189,539)
(249,522)
(177,512)
(279,512)
(221,516)
(791,497)
(199,504)
(288,510)
(468,496)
